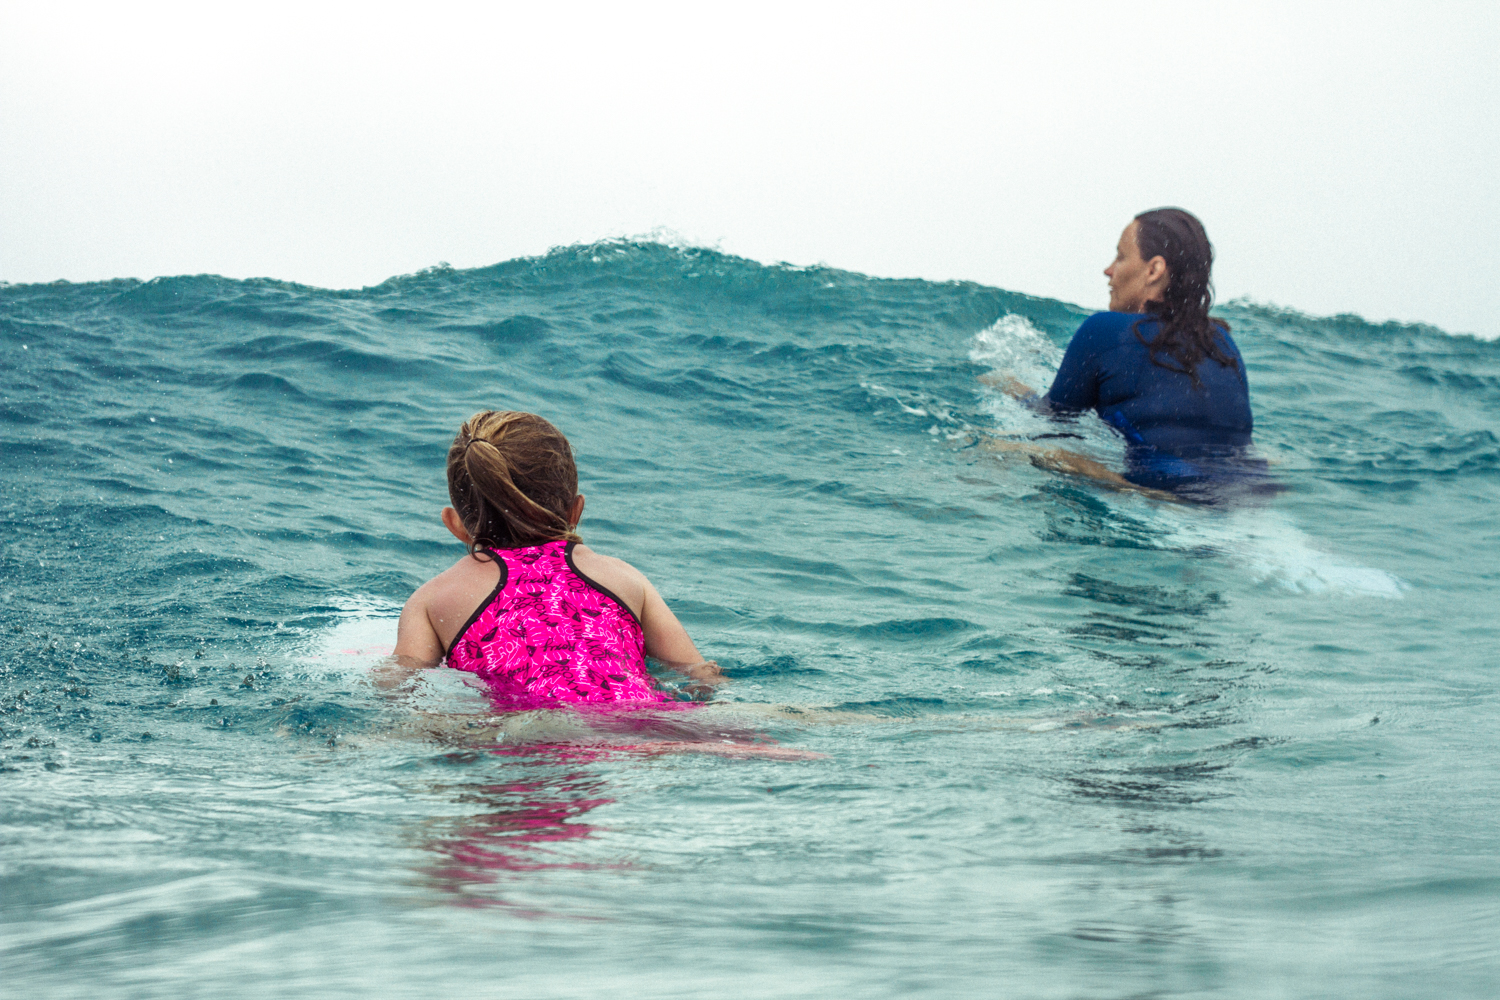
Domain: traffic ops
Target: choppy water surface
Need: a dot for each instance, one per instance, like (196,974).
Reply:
(1075,743)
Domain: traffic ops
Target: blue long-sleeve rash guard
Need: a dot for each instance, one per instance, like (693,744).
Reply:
(1167,419)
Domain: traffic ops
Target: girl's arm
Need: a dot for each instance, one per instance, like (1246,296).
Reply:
(417,645)
(668,641)
(415,636)
(665,638)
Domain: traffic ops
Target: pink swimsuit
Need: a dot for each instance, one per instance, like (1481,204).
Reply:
(550,635)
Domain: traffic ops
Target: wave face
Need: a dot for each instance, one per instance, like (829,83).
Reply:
(1087,742)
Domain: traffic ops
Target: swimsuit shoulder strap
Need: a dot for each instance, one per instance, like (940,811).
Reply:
(595,585)
(484,605)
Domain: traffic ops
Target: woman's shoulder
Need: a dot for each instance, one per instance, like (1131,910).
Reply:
(1221,330)
(1104,330)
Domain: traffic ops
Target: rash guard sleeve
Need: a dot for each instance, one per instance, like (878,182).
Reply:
(1076,386)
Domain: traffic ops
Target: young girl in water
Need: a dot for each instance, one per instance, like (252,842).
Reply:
(542,618)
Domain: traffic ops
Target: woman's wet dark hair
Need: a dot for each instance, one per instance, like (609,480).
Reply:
(1187,335)
(512,479)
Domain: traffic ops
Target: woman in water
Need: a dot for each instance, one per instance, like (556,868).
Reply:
(1157,368)
(541,618)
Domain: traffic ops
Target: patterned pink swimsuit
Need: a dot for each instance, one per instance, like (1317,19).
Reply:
(549,635)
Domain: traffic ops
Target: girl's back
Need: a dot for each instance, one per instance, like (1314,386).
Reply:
(542,618)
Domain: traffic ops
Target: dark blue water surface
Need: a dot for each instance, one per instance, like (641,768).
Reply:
(1075,743)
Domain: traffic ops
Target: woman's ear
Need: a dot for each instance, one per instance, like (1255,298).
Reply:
(1157,273)
(455,524)
(575,513)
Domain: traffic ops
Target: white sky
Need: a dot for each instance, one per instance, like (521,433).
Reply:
(1344,156)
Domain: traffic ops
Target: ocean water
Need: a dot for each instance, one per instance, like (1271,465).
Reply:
(1059,741)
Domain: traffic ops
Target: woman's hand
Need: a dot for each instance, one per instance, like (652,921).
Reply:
(1008,384)
(1073,464)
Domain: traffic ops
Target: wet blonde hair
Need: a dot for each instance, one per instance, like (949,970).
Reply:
(512,480)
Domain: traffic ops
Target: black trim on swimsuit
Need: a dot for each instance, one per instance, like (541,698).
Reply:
(504,576)
(568,555)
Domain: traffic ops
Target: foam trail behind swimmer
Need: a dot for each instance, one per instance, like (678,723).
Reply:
(1273,550)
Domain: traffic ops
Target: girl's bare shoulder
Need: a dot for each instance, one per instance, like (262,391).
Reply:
(451,597)
(462,575)
(615,575)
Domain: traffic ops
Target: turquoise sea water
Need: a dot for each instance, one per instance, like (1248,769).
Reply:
(1074,743)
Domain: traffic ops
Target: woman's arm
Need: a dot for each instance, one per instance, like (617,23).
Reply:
(1074,388)
(1010,385)
(1073,464)
(1076,385)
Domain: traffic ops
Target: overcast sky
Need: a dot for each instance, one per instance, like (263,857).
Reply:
(1343,156)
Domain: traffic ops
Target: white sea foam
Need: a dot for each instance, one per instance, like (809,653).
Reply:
(363,632)
(1013,345)
(1274,551)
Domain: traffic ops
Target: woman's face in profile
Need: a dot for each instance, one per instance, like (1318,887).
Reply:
(1132,281)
